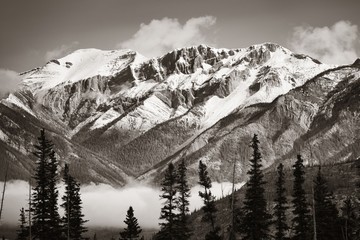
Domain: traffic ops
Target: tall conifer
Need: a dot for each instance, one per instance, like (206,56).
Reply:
(256,220)
(301,219)
(132,229)
(73,220)
(280,205)
(168,229)
(46,223)
(209,207)
(182,202)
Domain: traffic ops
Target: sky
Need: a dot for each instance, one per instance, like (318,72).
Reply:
(34,32)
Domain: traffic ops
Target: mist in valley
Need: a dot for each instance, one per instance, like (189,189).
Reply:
(106,206)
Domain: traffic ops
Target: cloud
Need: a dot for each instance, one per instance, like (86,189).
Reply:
(60,51)
(106,206)
(335,45)
(9,81)
(161,36)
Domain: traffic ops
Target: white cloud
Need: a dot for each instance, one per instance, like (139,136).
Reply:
(9,81)
(106,206)
(60,51)
(161,36)
(335,45)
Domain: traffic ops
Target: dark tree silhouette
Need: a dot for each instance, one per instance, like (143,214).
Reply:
(326,214)
(209,207)
(280,205)
(168,229)
(182,202)
(133,229)
(255,220)
(46,219)
(73,222)
(301,219)
(23,231)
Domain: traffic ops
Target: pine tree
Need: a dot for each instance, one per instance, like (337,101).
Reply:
(301,211)
(55,220)
(23,232)
(73,222)
(183,189)
(46,222)
(255,222)
(326,213)
(350,221)
(280,205)
(168,229)
(133,229)
(209,207)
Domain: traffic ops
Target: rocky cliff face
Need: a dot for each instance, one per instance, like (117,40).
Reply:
(134,115)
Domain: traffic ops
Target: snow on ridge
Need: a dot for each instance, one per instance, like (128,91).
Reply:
(17,102)
(79,65)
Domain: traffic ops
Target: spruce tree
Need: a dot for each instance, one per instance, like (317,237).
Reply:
(301,219)
(280,205)
(326,213)
(45,214)
(133,229)
(55,220)
(73,222)
(209,207)
(168,229)
(255,221)
(182,202)
(23,231)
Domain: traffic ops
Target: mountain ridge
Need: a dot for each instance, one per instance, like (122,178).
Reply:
(138,114)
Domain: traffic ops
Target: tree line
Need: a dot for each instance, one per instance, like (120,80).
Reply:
(295,218)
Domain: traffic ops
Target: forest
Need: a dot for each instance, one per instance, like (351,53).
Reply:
(301,202)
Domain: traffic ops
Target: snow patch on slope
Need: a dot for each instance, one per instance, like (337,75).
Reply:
(17,102)
(153,111)
(79,65)
(109,116)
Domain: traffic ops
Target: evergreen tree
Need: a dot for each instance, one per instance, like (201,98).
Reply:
(350,221)
(255,221)
(73,222)
(133,229)
(22,232)
(168,229)
(55,220)
(45,214)
(209,207)
(182,202)
(326,213)
(280,205)
(301,211)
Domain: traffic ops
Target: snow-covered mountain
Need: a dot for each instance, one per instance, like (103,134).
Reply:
(117,116)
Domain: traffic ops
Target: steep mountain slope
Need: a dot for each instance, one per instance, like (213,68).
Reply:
(119,116)
(320,120)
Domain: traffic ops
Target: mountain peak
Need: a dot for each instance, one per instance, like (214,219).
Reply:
(120,107)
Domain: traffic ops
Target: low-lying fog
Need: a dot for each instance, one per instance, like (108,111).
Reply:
(104,205)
